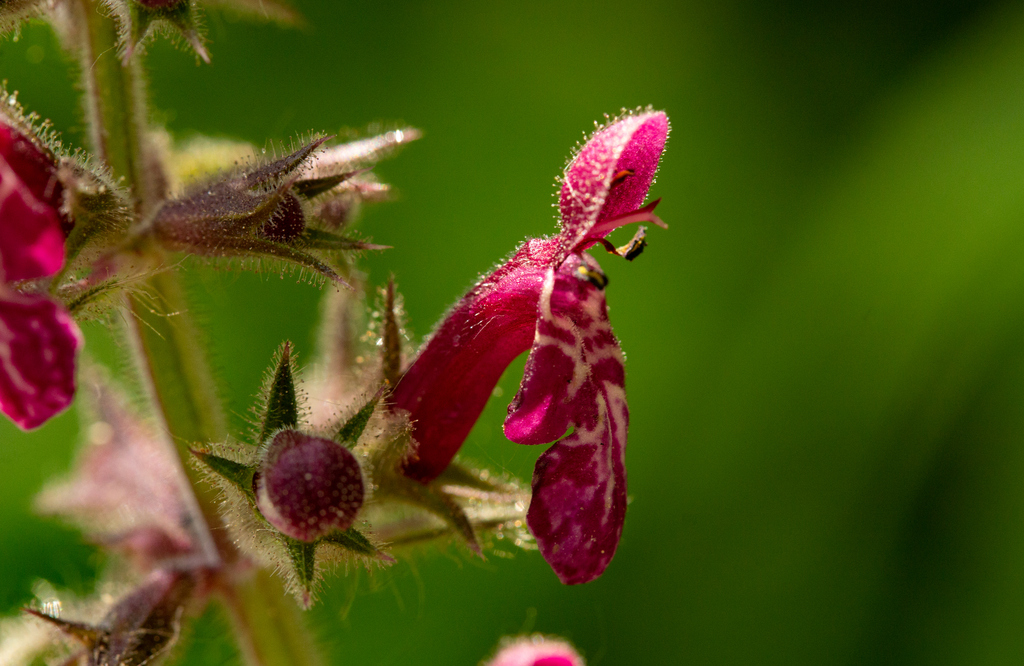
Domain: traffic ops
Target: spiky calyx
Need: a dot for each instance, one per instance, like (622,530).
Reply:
(290,497)
(264,211)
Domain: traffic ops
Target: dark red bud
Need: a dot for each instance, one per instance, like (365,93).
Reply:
(309,486)
(160,4)
(288,221)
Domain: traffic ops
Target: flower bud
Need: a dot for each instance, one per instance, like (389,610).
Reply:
(161,4)
(536,651)
(309,486)
(32,238)
(288,221)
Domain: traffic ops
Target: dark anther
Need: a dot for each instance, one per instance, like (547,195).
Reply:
(620,176)
(635,247)
(596,278)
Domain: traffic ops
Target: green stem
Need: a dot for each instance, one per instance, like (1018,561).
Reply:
(268,624)
(276,635)
(114,99)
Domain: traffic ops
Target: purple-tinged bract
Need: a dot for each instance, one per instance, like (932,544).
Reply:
(309,486)
(549,298)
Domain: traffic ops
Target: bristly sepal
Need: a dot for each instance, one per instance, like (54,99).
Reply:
(15,12)
(352,429)
(236,473)
(140,627)
(281,408)
(144,18)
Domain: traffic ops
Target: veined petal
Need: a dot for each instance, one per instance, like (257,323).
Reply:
(448,384)
(31,241)
(38,344)
(611,174)
(575,378)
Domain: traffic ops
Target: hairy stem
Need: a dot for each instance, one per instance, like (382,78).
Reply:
(268,626)
(114,99)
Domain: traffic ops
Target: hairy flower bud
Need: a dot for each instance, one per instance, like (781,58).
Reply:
(309,486)
(536,651)
(288,221)
(140,627)
(31,237)
(161,4)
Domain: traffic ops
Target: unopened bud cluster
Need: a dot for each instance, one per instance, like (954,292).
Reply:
(308,486)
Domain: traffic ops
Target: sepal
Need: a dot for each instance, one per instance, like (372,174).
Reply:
(281,408)
(290,498)
(434,499)
(352,429)
(15,12)
(239,475)
(145,18)
(140,627)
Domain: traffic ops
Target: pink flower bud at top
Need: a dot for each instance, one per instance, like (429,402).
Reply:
(309,486)
(536,651)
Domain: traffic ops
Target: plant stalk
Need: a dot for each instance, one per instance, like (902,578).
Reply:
(268,626)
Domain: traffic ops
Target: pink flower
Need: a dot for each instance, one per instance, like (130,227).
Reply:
(536,651)
(38,339)
(549,298)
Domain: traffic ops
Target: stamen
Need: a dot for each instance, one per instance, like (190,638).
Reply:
(596,278)
(635,247)
(619,177)
(605,227)
(631,250)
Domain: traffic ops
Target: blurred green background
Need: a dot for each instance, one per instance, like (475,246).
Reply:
(826,350)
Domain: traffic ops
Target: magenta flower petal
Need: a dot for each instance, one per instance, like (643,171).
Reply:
(35,166)
(536,651)
(38,343)
(611,174)
(575,377)
(447,386)
(31,241)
